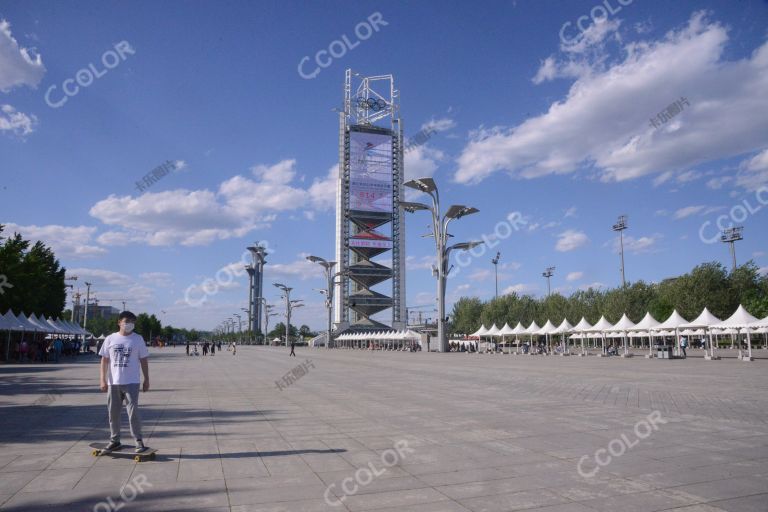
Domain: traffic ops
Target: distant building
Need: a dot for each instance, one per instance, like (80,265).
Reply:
(95,311)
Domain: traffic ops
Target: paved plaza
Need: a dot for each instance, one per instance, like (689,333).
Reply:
(394,431)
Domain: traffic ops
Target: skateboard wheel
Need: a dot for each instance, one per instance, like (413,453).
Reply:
(95,453)
(137,458)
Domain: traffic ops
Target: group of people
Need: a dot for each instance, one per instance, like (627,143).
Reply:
(209,347)
(44,351)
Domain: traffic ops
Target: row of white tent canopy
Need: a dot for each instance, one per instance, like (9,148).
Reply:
(380,336)
(705,324)
(33,323)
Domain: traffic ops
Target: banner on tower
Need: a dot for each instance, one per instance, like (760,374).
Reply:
(370,172)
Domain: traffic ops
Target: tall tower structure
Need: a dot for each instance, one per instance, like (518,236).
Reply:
(256,279)
(369,223)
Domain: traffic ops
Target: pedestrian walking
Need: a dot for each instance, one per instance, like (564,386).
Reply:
(213,349)
(121,356)
(293,349)
(684,345)
(187,348)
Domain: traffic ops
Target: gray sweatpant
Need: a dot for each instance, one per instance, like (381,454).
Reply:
(115,407)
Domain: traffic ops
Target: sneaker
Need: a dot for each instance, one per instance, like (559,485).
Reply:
(140,446)
(113,446)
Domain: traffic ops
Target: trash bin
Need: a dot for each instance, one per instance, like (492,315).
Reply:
(664,351)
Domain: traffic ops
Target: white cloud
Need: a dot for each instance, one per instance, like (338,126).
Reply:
(596,285)
(422,263)
(73,242)
(753,173)
(15,122)
(99,277)
(644,244)
(570,212)
(157,279)
(763,271)
(199,217)
(300,268)
(570,240)
(442,124)
(574,276)
(688,211)
(717,183)
(18,65)
(520,288)
(322,192)
(612,103)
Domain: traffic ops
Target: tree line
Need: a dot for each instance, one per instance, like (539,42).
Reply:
(707,285)
(32,277)
(32,280)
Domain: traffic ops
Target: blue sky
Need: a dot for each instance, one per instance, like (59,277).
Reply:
(555,128)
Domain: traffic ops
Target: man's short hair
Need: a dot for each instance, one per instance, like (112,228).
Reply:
(127,315)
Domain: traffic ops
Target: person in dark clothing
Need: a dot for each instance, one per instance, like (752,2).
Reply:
(293,349)
(213,349)
(205,348)
(187,348)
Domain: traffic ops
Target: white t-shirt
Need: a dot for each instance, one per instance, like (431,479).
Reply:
(124,353)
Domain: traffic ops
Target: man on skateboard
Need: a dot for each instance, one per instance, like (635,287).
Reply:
(121,354)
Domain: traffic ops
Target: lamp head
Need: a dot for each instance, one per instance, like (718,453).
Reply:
(422,184)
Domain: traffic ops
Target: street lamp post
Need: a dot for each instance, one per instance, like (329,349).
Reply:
(249,324)
(440,232)
(495,262)
(331,278)
(87,300)
(289,306)
(239,327)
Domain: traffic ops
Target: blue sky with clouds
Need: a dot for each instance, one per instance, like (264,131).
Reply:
(539,109)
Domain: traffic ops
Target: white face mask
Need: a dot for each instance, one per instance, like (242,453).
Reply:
(128,327)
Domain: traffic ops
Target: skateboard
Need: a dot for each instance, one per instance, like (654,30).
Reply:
(125,450)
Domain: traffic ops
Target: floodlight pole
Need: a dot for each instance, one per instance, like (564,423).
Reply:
(548,274)
(620,226)
(731,236)
(495,262)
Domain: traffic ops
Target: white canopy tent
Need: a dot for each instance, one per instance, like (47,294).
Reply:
(674,322)
(579,329)
(623,326)
(602,326)
(705,320)
(740,320)
(564,328)
(647,324)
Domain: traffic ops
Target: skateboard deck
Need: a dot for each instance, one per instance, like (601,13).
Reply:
(125,451)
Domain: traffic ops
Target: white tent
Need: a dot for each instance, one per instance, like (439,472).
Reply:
(705,320)
(760,323)
(645,325)
(582,326)
(741,320)
(548,328)
(674,322)
(519,329)
(579,329)
(602,326)
(623,325)
(506,330)
(482,331)
(564,328)
(531,329)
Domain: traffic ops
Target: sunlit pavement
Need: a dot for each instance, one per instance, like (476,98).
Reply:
(483,432)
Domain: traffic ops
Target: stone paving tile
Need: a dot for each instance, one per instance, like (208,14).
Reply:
(487,433)
(513,501)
